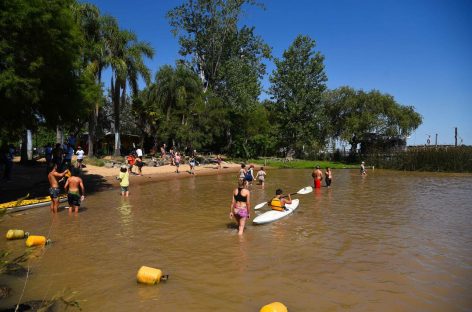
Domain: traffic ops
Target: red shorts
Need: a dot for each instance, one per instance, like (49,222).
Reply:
(317,183)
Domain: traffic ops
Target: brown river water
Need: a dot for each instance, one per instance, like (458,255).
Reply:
(390,241)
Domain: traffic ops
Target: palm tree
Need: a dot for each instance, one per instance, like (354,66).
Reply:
(126,60)
(177,93)
(95,54)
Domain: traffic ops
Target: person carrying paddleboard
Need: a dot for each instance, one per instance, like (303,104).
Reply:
(279,201)
(240,206)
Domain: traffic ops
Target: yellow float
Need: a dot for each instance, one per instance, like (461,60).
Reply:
(150,276)
(16,234)
(274,307)
(36,240)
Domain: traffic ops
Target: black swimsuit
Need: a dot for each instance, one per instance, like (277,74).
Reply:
(239,197)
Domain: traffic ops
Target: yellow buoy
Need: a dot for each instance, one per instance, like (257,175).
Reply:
(274,307)
(16,234)
(36,240)
(150,276)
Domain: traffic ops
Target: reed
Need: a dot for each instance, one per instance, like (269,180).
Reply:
(436,159)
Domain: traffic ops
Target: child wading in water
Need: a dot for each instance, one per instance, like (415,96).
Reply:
(124,180)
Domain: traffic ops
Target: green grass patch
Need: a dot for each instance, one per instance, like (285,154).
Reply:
(94,161)
(301,164)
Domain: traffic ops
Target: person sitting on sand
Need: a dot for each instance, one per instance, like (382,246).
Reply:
(240,206)
(279,201)
(75,191)
(54,187)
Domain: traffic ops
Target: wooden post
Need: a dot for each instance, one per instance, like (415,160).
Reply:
(455,136)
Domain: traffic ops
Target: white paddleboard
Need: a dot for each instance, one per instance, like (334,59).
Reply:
(274,215)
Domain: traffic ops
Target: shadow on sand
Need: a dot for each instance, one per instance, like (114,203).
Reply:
(32,179)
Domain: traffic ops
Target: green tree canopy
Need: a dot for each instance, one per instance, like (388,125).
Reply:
(297,84)
(41,74)
(354,113)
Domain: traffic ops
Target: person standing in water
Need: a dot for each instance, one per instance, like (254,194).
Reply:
(219,160)
(124,181)
(54,187)
(240,206)
(177,162)
(242,172)
(317,176)
(328,176)
(75,191)
(362,169)
(261,176)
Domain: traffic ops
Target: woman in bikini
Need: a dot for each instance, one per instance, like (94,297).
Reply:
(240,206)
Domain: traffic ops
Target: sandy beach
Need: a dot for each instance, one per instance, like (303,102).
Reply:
(32,180)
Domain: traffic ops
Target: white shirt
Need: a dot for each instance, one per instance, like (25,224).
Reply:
(139,152)
(80,154)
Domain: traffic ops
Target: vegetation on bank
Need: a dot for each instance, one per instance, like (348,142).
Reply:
(301,164)
(435,159)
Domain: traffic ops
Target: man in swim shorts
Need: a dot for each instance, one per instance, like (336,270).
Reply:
(74,187)
(54,187)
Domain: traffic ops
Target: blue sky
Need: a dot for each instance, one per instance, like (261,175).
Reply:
(419,51)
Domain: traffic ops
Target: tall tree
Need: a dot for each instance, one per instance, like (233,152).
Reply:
(41,65)
(227,57)
(355,113)
(95,54)
(297,84)
(126,59)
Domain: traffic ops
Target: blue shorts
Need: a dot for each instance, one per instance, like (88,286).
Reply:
(124,188)
(54,192)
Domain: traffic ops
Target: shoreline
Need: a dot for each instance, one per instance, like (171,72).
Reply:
(161,173)
(31,181)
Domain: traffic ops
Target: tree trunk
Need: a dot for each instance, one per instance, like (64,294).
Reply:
(26,147)
(59,135)
(91,135)
(115,89)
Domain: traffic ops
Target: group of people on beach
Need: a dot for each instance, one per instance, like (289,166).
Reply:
(61,156)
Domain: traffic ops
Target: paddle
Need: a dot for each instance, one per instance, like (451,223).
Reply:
(305,190)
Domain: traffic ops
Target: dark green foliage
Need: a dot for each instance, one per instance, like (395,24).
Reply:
(352,114)
(40,70)
(296,88)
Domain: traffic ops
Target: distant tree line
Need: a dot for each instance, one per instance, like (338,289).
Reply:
(53,54)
